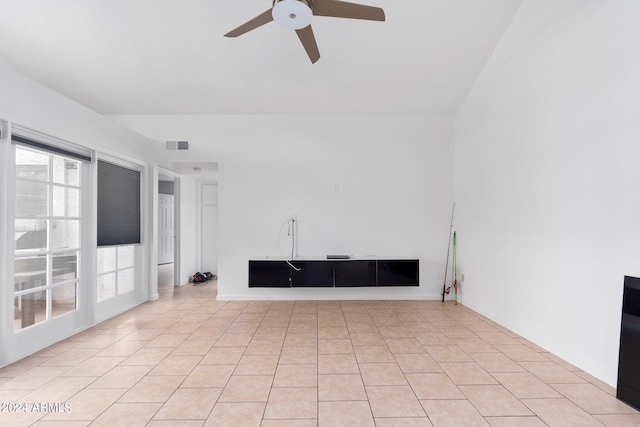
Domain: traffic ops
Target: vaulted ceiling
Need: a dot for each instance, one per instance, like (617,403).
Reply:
(170,56)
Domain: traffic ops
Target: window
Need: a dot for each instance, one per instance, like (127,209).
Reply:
(46,234)
(119,226)
(116,271)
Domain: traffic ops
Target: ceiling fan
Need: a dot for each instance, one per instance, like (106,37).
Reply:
(297,14)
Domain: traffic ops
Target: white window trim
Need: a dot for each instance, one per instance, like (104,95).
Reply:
(49,253)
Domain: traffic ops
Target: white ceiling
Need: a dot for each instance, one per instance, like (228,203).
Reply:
(170,56)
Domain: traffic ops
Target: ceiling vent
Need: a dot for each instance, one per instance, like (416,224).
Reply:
(177,145)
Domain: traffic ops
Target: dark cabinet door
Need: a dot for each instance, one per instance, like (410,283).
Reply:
(354,273)
(313,274)
(398,272)
(269,274)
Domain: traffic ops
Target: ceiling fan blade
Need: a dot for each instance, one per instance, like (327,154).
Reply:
(309,42)
(264,18)
(342,9)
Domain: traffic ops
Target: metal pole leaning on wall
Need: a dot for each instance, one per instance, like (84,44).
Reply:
(446,265)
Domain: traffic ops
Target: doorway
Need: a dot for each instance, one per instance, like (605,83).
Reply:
(194,188)
(166,232)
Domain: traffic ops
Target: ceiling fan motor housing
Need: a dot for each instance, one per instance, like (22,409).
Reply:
(292,14)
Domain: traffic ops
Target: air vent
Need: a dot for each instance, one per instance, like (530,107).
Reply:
(177,145)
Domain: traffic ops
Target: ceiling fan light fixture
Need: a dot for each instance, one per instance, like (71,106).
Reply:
(292,14)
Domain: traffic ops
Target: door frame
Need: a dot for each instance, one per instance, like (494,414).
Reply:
(6,257)
(24,342)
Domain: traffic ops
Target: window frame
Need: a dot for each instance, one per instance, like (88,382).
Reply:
(50,217)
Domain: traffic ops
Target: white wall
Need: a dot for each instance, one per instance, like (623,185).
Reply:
(209,229)
(393,174)
(189,239)
(35,106)
(547,178)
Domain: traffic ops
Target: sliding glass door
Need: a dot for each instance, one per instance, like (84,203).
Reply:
(47,243)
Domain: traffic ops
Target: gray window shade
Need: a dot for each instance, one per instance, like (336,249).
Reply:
(118,205)
(74,154)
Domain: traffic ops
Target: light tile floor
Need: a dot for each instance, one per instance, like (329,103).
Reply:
(190,360)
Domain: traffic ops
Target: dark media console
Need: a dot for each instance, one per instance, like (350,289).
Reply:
(329,273)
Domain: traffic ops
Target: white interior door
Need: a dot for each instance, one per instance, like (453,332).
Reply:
(165,228)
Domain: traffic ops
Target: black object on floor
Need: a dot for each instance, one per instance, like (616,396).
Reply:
(629,358)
